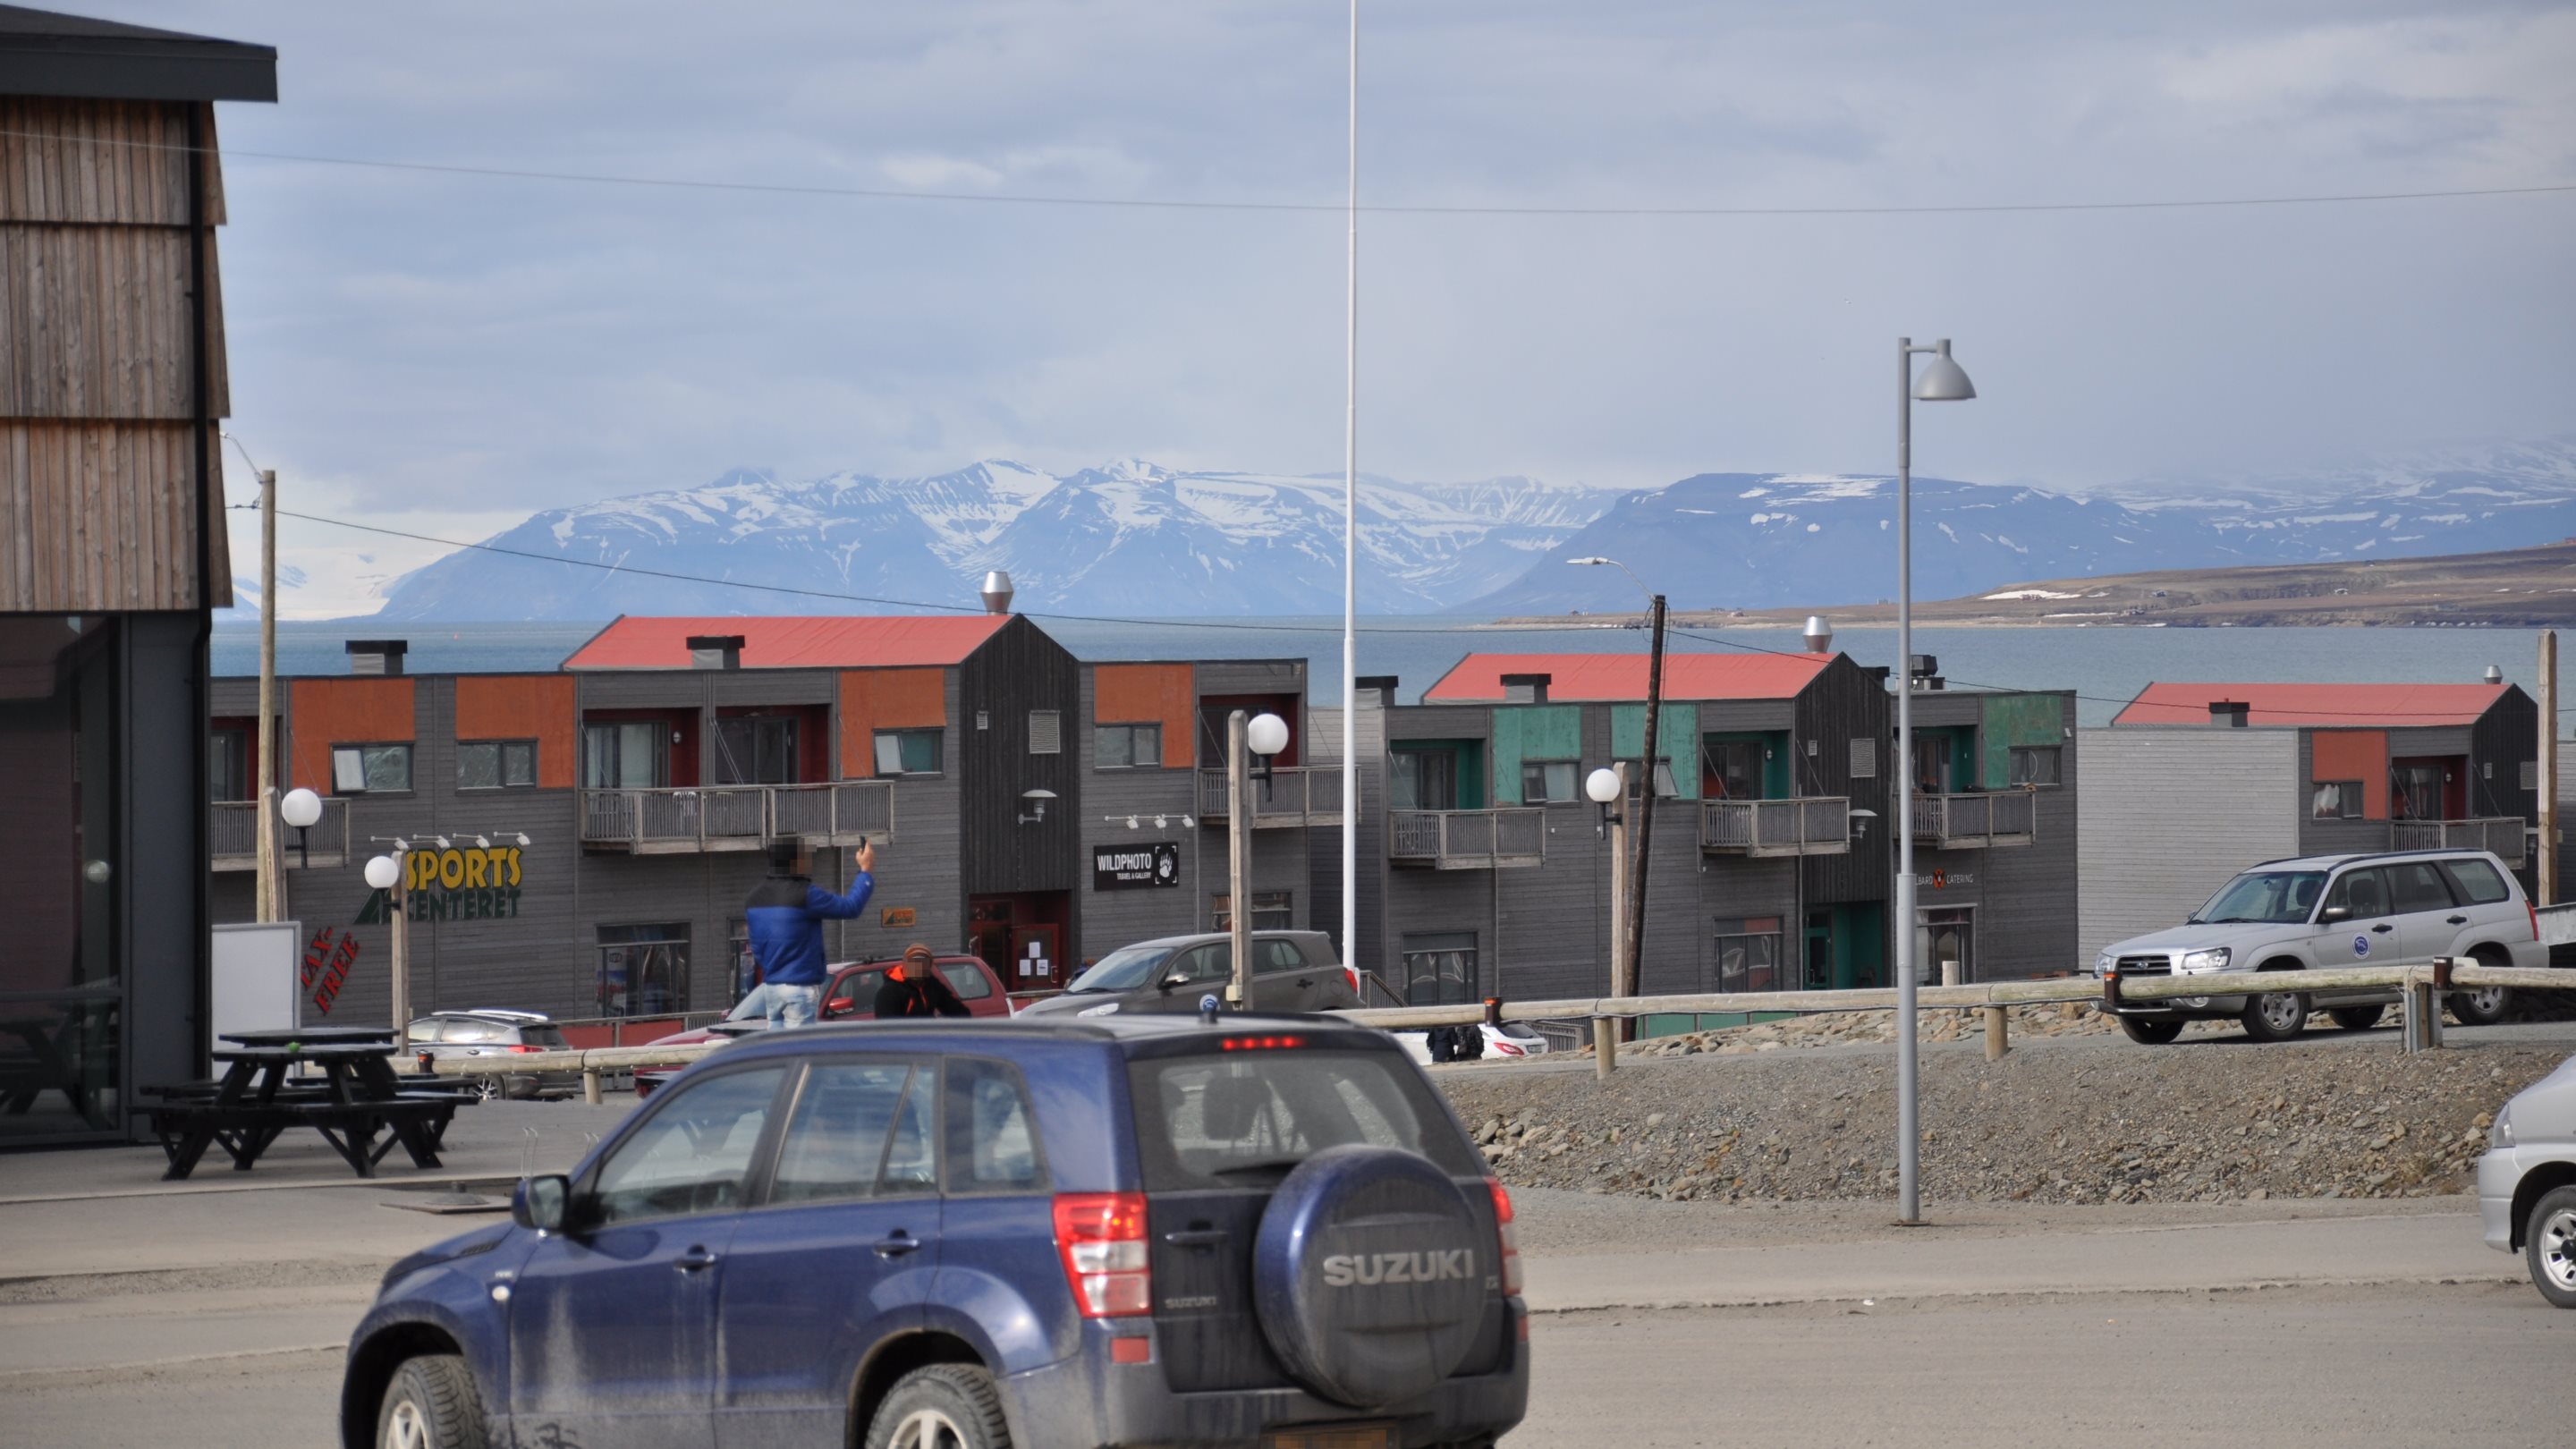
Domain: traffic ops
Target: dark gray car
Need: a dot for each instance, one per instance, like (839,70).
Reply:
(1291,971)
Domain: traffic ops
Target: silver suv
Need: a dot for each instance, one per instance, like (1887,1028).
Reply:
(478,1035)
(2329,911)
(2527,1183)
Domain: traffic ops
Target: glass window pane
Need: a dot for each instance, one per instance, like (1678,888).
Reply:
(836,1140)
(912,1161)
(991,1147)
(921,752)
(478,766)
(1112,747)
(889,754)
(348,771)
(1560,781)
(519,763)
(693,1155)
(388,767)
(969,983)
(639,755)
(2479,881)
(1148,744)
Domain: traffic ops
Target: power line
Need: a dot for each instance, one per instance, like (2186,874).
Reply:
(1131,203)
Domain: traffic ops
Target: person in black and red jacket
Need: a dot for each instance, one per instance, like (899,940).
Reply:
(913,988)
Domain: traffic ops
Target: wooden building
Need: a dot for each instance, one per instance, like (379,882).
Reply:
(112,386)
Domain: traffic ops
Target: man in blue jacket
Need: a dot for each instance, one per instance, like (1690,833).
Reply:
(785,915)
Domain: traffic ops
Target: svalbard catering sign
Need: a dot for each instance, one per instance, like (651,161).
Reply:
(1135,867)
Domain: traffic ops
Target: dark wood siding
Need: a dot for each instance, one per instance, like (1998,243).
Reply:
(1018,670)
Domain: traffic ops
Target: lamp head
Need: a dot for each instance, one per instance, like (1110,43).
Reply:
(1944,380)
(1601,787)
(300,808)
(1588,561)
(383,871)
(1266,734)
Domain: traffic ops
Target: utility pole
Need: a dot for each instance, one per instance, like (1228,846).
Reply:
(1605,1030)
(1630,961)
(1238,862)
(400,898)
(2545,873)
(270,893)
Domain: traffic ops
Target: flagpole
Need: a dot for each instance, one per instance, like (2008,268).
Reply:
(1350,541)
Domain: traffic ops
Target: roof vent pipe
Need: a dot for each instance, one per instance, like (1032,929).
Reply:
(2229,713)
(1820,635)
(376,656)
(997,592)
(2494,675)
(715,651)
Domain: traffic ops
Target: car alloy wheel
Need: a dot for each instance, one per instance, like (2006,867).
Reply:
(2484,1006)
(406,1428)
(2553,1251)
(927,1429)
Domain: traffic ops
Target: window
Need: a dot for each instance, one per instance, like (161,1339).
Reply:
(370,769)
(694,1155)
(1127,746)
(2415,792)
(835,1147)
(1665,789)
(1422,780)
(423,1030)
(2361,894)
(643,969)
(2418,886)
(496,764)
(2036,765)
(466,1030)
(1932,756)
(1547,782)
(1439,969)
(1271,911)
(228,764)
(2336,800)
(1748,954)
(2277,898)
(2478,881)
(991,1145)
(628,755)
(1734,768)
(756,749)
(1046,732)
(1228,1122)
(1276,955)
(908,752)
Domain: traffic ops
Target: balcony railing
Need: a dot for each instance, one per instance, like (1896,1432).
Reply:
(736,817)
(1296,795)
(232,836)
(1468,839)
(1976,821)
(1819,825)
(2503,834)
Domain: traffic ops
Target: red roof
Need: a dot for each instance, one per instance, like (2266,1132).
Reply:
(768,643)
(1572,677)
(2357,706)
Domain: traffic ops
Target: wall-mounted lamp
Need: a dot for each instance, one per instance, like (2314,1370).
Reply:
(1602,788)
(1037,804)
(1860,822)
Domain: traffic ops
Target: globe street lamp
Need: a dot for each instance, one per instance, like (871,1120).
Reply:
(385,873)
(302,809)
(1264,735)
(1604,787)
(1942,381)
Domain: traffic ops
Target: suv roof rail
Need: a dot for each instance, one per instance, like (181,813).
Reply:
(2355,856)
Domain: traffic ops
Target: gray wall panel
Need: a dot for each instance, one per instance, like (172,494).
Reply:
(2170,813)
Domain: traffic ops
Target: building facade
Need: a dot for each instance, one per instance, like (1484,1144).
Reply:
(112,386)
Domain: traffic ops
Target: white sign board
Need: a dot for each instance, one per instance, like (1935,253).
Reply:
(254,979)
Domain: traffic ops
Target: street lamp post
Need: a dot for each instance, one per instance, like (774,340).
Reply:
(1623,980)
(386,873)
(1942,381)
(1264,735)
(1605,787)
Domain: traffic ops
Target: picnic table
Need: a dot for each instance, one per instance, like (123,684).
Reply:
(357,1097)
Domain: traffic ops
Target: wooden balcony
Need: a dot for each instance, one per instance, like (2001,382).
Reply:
(1294,795)
(232,837)
(1468,839)
(736,817)
(2506,835)
(1816,825)
(1979,821)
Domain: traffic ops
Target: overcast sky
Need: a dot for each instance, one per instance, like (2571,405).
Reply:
(451,351)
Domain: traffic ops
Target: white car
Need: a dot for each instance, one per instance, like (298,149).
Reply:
(2527,1182)
(1511,1039)
(2392,908)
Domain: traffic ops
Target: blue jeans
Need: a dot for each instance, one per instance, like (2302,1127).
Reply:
(792,1005)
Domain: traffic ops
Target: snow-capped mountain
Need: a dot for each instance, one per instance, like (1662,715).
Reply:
(1130,537)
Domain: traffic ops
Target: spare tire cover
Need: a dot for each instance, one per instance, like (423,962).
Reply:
(1370,1274)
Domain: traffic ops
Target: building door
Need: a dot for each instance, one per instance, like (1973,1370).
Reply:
(1037,957)
(1001,928)
(1423,780)
(2434,788)
(756,749)
(1820,951)
(1947,934)
(627,755)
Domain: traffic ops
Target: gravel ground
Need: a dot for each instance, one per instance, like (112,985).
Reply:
(2082,1124)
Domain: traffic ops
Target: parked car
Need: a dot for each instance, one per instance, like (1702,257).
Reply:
(1511,1039)
(1291,971)
(2527,1182)
(2320,912)
(852,993)
(474,1035)
(1145,1229)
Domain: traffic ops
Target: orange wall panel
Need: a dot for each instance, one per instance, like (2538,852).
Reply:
(886,699)
(1139,693)
(520,707)
(2353,755)
(326,712)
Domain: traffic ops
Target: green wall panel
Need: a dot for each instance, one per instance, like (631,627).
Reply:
(1677,740)
(1532,732)
(2017,719)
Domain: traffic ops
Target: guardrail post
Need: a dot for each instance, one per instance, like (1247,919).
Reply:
(590,1085)
(1605,1047)
(1997,1042)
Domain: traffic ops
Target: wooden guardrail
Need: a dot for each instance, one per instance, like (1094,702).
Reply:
(2413,983)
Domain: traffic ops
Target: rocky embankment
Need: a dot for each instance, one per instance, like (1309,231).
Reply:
(2210,1119)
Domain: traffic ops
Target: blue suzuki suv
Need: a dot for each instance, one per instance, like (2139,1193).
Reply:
(965,1235)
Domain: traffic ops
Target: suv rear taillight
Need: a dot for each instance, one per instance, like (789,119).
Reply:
(1510,1236)
(2534,908)
(1353,972)
(1101,1238)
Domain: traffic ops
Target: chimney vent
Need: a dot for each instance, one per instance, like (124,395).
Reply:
(1820,635)
(1376,691)
(2495,675)
(1525,688)
(997,592)
(715,651)
(376,656)
(2229,713)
